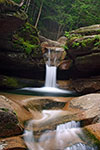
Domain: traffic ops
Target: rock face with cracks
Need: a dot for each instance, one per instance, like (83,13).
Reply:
(83,47)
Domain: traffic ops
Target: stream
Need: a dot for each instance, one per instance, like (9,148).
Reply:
(51,131)
(39,134)
(68,136)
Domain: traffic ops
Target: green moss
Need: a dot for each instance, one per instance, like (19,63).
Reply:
(10,82)
(16,1)
(89,42)
(76,44)
(26,40)
(92,138)
(25,45)
(4,109)
(65,47)
(83,44)
(15,113)
(2,1)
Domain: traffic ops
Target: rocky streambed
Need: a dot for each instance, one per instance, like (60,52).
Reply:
(16,110)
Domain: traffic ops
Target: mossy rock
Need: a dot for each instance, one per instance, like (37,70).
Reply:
(82,45)
(26,40)
(8,6)
(89,30)
(8,82)
(92,138)
(9,123)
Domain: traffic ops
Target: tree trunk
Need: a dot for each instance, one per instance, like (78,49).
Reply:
(21,4)
(27,5)
(38,17)
(60,31)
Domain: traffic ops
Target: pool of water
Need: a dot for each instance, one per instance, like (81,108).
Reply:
(44,91)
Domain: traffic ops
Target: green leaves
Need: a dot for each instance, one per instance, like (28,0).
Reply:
(70,14)
(75,44)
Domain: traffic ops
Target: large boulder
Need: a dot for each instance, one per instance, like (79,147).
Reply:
(9,124)
(94,132)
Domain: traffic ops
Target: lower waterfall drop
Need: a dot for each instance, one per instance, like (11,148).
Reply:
(65,137)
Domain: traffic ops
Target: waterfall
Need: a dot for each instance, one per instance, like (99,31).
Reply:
(52,59)
(50,80)
(65,137)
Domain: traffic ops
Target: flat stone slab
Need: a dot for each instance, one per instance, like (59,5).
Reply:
(12,143)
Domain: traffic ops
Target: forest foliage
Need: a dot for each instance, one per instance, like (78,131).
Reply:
(58,16)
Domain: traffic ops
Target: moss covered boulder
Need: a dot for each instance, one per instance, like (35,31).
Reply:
(26,40)
(83,48)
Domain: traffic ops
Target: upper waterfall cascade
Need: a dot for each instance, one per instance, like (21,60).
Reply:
(52,59)
(53,56)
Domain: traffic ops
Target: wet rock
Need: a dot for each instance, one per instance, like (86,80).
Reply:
(62,40)
(94,132)
(12,143)
(44,104)
(18,107)
(11,83)
(50,43)
(65,64)
(48,112)
(85,85)
(88,105)
(9,124)
(53,56)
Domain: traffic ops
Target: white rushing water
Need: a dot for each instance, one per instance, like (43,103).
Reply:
(65,137)
(50,80)
(50,83)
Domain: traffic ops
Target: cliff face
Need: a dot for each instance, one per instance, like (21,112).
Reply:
(11,17)
(83,49)
(20,52)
